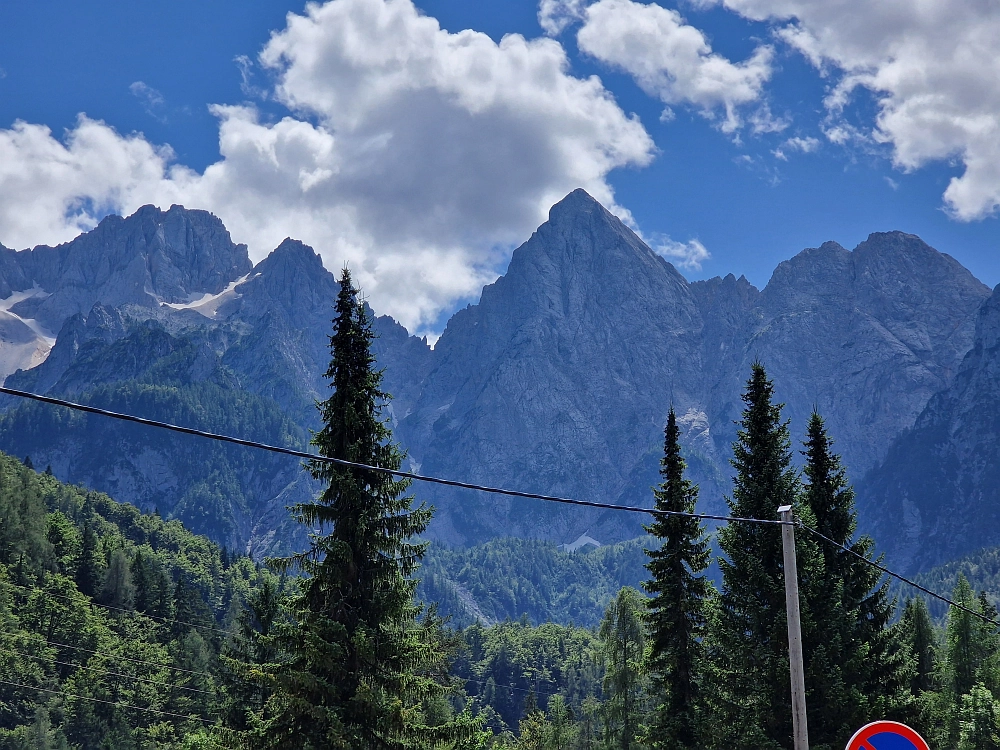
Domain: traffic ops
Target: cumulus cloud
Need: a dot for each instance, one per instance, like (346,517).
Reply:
(688,255)
(555,15)
(933,68)
(54,189)
(419,155)
(673,60)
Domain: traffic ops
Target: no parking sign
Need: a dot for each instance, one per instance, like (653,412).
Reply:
(886,735)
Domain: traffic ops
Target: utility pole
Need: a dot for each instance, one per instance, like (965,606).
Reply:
(799,728)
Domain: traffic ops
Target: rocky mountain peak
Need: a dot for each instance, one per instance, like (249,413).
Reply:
(293,278)
(150,257)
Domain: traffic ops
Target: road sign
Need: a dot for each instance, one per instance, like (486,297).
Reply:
(886,735)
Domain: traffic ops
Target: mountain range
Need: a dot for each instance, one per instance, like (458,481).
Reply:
(558,380)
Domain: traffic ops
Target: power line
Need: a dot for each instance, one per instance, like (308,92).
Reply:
(125,658)
(106,672)
(899,577)
(367,467)
(120,609)
(110,703)
(467,485)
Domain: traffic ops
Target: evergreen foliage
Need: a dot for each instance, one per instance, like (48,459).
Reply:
(623,637)
(676,612)
(510,664)
(919,638)
(75,674)
(507,578)
(750,641)
(855,670)
(360,666)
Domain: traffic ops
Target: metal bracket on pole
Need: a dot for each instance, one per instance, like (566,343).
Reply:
(799,727)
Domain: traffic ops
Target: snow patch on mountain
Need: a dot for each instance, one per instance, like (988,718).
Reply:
(208,305)
(24,342)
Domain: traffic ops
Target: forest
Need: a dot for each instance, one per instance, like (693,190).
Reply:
(121,629)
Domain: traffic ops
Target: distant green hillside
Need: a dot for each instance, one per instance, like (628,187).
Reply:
(224,491)
(511,578)
(982,569)
(111,620)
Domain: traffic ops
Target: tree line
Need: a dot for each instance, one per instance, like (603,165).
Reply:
(329,648)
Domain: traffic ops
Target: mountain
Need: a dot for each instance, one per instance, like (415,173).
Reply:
(937,493)
(560,379)
(865,336)
(245,357)
(557,381)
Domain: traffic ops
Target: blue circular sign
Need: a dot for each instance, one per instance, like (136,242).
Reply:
(886,735)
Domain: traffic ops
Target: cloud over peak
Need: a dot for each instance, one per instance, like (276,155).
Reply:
(418,154)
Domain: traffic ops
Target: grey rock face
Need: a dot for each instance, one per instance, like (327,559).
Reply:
(151,256)
(267,335)
(559,380)
(936,495)
(867,337)
(12,278)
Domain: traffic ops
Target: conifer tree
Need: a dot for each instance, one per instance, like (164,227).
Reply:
(250,649)
(969,642)
(676,612)
(360,664)
(89,573)
(750,642)
(918,635)
(855,669)
(979,720)
(624,643)
(118,590)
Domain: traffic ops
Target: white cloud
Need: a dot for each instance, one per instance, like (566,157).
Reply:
(419,155)
(555,15)
(688,255)
(934,70)
(803,145)
(151,99)
(673,61)
(51,190)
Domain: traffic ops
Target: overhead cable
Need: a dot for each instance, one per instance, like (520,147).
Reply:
(120,609)
(367,467)
(468,485)
(104,671)
(899,577)
(119,704)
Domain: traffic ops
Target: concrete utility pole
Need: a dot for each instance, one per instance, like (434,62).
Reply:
(799,728)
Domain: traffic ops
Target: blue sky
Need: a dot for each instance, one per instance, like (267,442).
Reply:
(758,159)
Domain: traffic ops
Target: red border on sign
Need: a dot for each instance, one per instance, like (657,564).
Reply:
(860,739)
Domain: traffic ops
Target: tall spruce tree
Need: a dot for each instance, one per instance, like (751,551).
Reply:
(750,638)
(675,614)
(855,667)
(969,645)
(359,663)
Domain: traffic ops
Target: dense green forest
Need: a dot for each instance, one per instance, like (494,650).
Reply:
(112,620)
(156,375)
